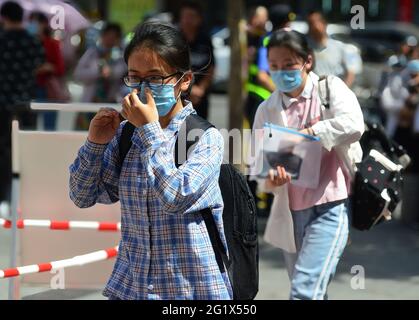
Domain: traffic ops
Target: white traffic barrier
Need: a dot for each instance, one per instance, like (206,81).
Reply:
(60,264)
(62,225)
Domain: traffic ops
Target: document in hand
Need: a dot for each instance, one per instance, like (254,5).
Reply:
(298,153)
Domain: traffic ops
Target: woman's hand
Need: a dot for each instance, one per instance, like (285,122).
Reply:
(277,178)
(46,68)
(103,126)
(309,131)
(137,112)
(106,71)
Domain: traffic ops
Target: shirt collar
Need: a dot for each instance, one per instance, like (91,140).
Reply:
(176,122)
(317,45)
(306,93)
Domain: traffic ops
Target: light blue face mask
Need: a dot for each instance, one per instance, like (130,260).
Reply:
(287,80)
(164,96)
(32,28)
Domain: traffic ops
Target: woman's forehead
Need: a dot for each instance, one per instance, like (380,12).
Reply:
(145,61)
(282,54)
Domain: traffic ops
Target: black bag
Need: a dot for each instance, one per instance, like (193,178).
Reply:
(377,188)
(239,217)
(377,185)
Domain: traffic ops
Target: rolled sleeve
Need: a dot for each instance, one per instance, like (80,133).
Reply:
(149,136)
(344,121)
(94,174)
(92,151)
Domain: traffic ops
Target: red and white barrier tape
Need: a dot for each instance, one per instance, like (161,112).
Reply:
(63,225)
(60,264)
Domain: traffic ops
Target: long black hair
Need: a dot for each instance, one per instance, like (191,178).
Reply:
(293,40)
(164,39)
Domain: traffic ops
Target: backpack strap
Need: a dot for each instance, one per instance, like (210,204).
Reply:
(324,91)
(125,141)
(193,121)
(223,261)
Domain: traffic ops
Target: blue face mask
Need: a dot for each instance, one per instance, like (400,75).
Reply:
(287,80)
(164,96)
(32,28)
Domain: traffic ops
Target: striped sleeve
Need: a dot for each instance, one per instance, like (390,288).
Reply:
(94,175)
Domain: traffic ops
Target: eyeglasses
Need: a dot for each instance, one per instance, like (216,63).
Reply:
(135,82)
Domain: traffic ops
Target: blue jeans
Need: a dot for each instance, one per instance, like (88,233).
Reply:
(321,234)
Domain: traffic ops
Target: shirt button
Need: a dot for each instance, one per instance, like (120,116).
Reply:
(150,287)
(144,192)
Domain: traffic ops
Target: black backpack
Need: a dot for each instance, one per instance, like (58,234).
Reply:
(239,217)
(373,177)
(376,189)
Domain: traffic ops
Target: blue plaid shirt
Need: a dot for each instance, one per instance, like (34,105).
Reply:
(165,251)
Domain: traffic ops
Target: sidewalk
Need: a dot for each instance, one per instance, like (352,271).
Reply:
(389,254)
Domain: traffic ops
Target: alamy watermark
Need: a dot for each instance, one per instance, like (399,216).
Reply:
(358,20)
(241,147)
(57,282)
(57,21)
(358,280)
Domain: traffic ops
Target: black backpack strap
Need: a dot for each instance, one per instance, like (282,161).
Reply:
(324,91)
(217,245)
(193,121)
(125,141)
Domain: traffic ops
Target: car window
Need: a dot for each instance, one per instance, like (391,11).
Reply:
(377,45)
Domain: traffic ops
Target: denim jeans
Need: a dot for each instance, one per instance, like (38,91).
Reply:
(321,234)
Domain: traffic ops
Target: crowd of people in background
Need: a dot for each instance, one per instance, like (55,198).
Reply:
(23,68)
(100,71)
(400,99)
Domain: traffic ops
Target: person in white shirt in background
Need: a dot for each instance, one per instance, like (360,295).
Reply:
(394,95)
(332,57)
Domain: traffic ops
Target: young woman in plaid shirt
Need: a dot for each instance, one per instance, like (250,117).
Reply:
(165,251)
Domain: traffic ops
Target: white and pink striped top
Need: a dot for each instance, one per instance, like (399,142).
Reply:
(334,184)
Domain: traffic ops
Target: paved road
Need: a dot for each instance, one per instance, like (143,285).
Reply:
(389,255)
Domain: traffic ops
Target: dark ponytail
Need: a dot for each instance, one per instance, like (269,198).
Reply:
(164,39)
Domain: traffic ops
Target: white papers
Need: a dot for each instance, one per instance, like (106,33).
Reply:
(298,153)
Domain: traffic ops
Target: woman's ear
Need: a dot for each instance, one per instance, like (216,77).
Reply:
(309,63)
(186,82)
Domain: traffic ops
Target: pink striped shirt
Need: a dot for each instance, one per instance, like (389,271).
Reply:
(334,184)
